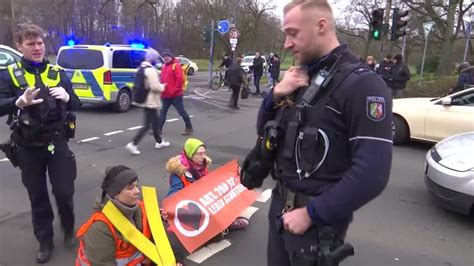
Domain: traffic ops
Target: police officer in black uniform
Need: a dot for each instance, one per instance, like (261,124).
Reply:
(325,135)
(39,95)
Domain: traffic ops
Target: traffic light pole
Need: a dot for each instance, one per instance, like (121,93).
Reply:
(388,7)
(211,54)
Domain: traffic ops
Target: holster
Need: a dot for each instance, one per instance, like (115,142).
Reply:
(332,250)
(70,126)
(11,152)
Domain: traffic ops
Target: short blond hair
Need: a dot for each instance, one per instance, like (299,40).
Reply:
(306,4)
(27,31)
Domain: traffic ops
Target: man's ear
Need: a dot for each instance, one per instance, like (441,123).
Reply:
(18,46)
(322,25)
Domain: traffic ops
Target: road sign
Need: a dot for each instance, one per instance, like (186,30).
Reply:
(233,33)
(223,26)
(233,41)
(427,27)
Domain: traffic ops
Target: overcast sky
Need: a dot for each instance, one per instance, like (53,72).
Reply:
(337,8)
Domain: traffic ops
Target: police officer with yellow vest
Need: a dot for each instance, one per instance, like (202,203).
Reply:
(39,95)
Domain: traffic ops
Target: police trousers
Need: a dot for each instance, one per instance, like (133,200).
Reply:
(286,249)
(60,164)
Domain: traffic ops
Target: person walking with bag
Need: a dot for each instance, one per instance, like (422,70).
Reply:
(147,92)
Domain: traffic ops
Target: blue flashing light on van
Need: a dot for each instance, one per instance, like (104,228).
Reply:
(71,42)
(137,45)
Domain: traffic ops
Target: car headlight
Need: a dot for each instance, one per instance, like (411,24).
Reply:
(435,155)
(458,163)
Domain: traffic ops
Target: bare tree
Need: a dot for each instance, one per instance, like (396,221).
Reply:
(164,24)
(447,16)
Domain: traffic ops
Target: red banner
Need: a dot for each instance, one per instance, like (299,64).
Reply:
(199,212)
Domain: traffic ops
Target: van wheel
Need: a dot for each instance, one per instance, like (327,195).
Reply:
(124,100)
(400,130)
(190,71)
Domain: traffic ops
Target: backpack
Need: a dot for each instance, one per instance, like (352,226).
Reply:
(139,91)
(244,93)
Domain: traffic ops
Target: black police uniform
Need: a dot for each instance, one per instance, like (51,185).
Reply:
(354,124)
(43,148)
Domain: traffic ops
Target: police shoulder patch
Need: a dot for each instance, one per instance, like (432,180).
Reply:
(375,108)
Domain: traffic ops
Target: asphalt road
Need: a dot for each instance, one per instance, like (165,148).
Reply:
(403,226)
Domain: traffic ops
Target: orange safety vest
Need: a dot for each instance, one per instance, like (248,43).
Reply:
(125,253)
(185,181)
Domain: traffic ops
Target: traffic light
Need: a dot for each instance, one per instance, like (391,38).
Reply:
(398,24)
(206,35)
(376,24)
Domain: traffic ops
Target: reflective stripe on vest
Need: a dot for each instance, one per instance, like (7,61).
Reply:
(125,253)
(23,79)
(156,225)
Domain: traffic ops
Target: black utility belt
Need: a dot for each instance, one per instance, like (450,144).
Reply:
(292,199)
(40,139)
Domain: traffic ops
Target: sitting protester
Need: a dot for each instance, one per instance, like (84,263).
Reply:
(191,165)
(100,242)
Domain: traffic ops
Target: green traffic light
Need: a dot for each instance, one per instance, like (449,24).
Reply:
(376,34)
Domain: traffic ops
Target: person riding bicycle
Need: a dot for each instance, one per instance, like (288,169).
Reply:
(225,65)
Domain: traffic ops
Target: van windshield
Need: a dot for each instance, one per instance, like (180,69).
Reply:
(80,59)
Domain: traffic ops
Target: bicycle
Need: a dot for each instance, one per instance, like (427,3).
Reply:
(249,78)
(218,80)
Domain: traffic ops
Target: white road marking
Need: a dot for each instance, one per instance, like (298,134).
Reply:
(117,132)
(265,196)
(87,140)
(134,128)
(207,251)
(194,97)
(113,133)
(4,160)
(247,213)
(217,105)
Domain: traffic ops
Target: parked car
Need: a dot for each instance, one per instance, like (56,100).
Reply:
(433,119)
(192,65)
(8,55)
(449,172)
(247,62)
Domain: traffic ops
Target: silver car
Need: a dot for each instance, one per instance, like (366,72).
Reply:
(449,172)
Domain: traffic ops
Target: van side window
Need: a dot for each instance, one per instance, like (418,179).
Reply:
(137,58)
(122,59)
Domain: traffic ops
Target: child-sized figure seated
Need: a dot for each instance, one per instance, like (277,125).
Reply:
(191,165)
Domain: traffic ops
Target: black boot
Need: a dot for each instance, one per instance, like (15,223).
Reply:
(44,252)
(70,242)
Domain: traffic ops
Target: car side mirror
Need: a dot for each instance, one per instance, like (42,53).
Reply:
(446,101)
